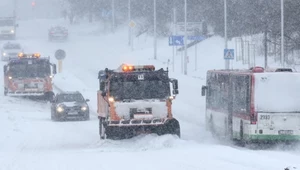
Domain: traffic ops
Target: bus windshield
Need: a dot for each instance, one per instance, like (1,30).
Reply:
(277,92)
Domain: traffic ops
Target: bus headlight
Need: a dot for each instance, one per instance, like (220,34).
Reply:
(83,108)
(60,109)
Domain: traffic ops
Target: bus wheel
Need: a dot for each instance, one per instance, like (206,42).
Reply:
(242,140)
(211,126)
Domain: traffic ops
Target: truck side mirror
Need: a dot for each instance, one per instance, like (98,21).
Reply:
(203,90)
(175,84)
(102,85)
(175,91)
(4,68)
(103,94)
(87,100)
(54,69)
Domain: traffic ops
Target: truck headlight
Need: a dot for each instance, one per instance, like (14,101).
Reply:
(12,31)
(60,109)
(4,54)
(111,99)
(83,108)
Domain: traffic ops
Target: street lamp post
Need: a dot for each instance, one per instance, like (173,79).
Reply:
(282,34)
(155,50)
(129,19)
(185,38)
(225,32)
(113,15)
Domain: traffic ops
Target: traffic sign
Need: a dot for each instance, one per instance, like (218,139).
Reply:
(132,24)
(196,38)
(106,13)
(228,54)
(176,40)
(60,54)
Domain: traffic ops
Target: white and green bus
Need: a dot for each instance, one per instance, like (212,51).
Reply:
(253,104)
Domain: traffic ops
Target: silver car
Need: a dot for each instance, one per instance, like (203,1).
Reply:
(10,50)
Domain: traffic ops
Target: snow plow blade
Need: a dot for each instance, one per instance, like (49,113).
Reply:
(121,131)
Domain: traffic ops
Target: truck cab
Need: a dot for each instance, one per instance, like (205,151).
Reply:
(136,99)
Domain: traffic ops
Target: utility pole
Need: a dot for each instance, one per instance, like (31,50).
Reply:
(282,34)
(185,38)
(15,9)
(155,44)
(113,15)
(174,32)
(129,19)
(227,61)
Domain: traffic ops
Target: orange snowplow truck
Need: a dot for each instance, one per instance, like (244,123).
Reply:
(29,75)
(136,100)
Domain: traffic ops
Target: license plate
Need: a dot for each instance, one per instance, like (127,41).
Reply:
(285,132)
(72,112)
(31,89)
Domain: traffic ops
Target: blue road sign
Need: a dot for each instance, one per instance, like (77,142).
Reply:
(196,38)
(176,40)
(228,54)
(106,13)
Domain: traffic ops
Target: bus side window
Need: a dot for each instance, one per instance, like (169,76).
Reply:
(240,97)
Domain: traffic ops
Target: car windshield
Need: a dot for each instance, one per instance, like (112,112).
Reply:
(30,70)
(70,98)
(12,46)
(6,22)
(147,89)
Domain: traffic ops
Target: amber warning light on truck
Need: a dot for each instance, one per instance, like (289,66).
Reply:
(35,55)
(129,68)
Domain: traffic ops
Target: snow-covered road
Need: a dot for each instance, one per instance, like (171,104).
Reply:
(30,140)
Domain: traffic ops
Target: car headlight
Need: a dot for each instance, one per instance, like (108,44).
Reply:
(60,109)
(12,31)
(84,108)
(4,54)
(9,77)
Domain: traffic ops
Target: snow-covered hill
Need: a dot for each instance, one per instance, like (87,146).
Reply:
(30,140)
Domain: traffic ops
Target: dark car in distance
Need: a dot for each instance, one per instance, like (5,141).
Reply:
(69,105)
(58,33)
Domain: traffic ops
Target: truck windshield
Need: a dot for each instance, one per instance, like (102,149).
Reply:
(40,70)
(6,23)
(277,92)
(146,89)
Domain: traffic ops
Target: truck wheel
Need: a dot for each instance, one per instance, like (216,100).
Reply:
(5,91)
(101,128)
(49,96)
(170,127)
(53,117)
